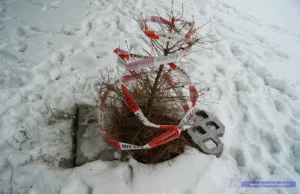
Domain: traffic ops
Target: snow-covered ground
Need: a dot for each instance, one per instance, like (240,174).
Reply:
(48,62)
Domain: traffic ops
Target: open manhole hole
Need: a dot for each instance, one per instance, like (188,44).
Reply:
(89,145)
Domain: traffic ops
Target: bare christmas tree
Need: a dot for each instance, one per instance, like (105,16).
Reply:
(149,104)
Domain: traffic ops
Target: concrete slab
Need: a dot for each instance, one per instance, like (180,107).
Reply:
(90,145)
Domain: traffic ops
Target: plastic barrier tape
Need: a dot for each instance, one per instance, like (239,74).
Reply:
(172,131)
(164,35)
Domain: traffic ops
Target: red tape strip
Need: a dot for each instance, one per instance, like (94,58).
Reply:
(172,131)
(157,19)
(114,143)
(164,138)
(129,101)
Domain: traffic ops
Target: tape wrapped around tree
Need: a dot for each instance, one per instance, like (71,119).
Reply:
(172,131)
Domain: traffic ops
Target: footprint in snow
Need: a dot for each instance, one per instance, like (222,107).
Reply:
(20,32)
(281,54)
(280,106)
(255,151)
(98,3)
(268,55)
(292,132)
(86,26)
(57,57)
(218,19)
(88,43)
(6,173)
(238,155)
(2,11)
(271,142)
(242,85)
(52,5)
(24,32)
(230,28)
(236,50)
(1,25)
(54,74)
(260,38)
(296,153)
(279,29)
(281,85)
(275,169)
(225,5)
(21,46)
(68,30)
(34,28)
(102,54)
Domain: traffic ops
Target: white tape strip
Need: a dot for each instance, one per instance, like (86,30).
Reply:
(155,61)
(127,146)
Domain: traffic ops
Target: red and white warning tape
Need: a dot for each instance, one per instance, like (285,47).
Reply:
(150,61)
(164,35)
(172,131)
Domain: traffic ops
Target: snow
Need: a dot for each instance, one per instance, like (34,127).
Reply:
(50,54)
